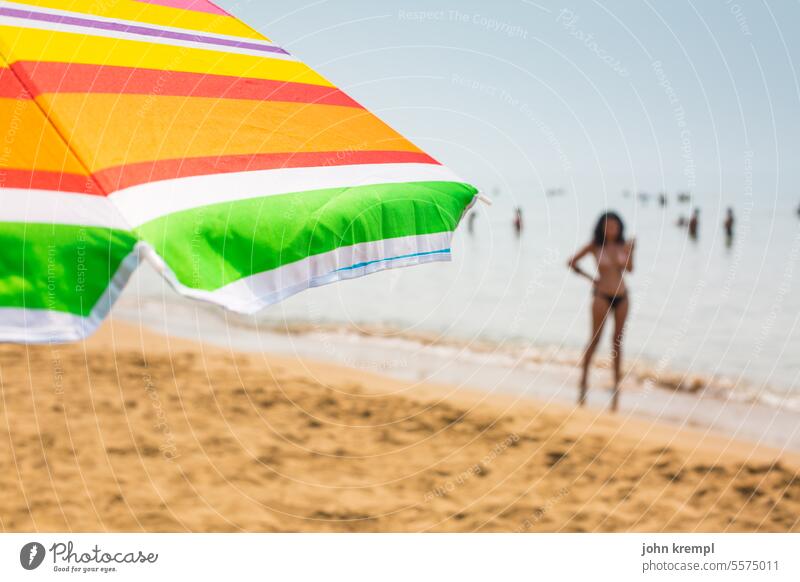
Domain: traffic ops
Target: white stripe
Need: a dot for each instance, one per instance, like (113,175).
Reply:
(251,294)
(130,36)
(50,207)
(146,202)
(39,326)
(89,16)
(247,295)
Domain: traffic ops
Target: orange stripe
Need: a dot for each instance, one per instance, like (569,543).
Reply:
(120,130)
(28,141)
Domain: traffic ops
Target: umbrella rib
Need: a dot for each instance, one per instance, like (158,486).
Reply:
(33,93)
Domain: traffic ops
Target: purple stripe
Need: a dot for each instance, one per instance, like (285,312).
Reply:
(144,30)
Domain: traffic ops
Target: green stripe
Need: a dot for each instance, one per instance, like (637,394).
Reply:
(58,267)
(211,246)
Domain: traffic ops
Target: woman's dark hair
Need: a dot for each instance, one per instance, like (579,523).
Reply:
(600,229)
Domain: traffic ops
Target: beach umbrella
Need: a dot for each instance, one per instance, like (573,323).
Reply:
(171,131)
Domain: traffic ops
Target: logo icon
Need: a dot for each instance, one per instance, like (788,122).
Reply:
(31,555)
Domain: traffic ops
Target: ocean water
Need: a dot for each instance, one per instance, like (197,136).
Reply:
(706,314)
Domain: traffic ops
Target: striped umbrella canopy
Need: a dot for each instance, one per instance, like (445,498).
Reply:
(170,130)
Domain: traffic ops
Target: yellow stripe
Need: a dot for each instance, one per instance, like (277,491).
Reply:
(126,129)
(29,142)
(152,14)
(29,44)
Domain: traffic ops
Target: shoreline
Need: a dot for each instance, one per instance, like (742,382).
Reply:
(136,431)
(546,375)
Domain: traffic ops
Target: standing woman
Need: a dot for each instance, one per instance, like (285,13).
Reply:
(614,257)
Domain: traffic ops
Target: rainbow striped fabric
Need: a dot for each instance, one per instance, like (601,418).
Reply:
(168,129)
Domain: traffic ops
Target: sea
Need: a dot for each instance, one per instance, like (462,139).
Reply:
(711,318)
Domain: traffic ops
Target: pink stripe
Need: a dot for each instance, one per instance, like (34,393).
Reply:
(196,5)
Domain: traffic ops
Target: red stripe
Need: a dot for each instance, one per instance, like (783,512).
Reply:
(113,179)
(121,177)
(81,78)
(10,87)
(42,180)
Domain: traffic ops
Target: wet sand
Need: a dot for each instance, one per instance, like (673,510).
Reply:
(132,431)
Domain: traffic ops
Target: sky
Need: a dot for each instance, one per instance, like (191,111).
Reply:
(519,97)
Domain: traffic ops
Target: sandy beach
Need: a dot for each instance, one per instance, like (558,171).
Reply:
(133,431)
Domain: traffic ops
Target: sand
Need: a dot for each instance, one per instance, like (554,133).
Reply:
(131,431)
